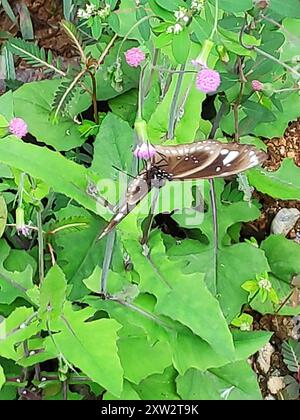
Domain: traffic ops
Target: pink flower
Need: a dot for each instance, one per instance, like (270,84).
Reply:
(134,57)
(257,86)
(208,81)
(18,127)
(145,151)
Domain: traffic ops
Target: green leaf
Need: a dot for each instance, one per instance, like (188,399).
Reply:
(32,102)
(90,346)
(113,147)
(283,183)
(159,387)
(19,326)
(89,255)
(13,284)
(170,5)
(25,22)
(144,27)
(128,394)
(61,174)
(2,377)
(235,381)
(283,256)
(233,6)
(191,292)
(181,46)
(125,106)
(3,215)
(291,8)
(6,105)
(190,351)
(132,344)
(52,293)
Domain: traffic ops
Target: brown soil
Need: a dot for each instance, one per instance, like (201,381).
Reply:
(46,16)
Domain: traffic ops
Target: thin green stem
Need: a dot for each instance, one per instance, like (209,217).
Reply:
(107,260)
(40,245)
(215,27)
(173,109)
(150,217)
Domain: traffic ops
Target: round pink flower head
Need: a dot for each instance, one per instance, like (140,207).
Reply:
(257,86)
(18,127)
(134,57)
(145,151)
(208,81)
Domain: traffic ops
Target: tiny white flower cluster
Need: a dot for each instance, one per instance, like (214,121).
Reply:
(182,19)
(265,284)
(245,327)
(197,5)
(91,10)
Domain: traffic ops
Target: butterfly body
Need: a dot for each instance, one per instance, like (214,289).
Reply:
(200,160)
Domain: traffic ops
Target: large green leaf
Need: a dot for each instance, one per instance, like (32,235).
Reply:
(235,381)
(15,329)
(90,346)
(32,102)
(291,8)
(61,174)
(190,292)
(132,344)
(159,387)
(190,351)
(283,183)
(113,148)
(52,293)
(233,6)
(13,284)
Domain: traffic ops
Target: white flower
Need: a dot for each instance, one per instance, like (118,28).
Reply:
(245,327)
(177,28)
(104,13)
(90,9)
(82,14)
(197,5)
(181,13)
(265,284)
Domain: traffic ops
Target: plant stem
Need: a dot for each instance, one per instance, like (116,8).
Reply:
(237,103)
(94,97)
(216,234)
(41,245)
(106,50)
(173,114)
(107,260)
(215,27)
(150,217)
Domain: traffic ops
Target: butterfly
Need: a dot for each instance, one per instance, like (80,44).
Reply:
(193,161)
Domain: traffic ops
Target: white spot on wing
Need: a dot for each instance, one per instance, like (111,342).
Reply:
(224,151)
(231,156)
(218,168)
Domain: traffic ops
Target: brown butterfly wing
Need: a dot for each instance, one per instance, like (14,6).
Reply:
(136,191)
(207,159)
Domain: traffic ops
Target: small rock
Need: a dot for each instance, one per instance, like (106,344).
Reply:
(284,221)
(264,357)
(276,384)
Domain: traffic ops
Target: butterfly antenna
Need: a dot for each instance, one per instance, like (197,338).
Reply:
(123,172)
